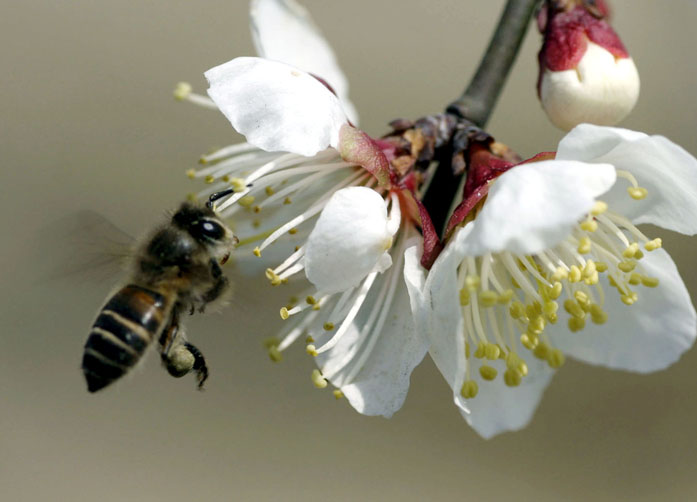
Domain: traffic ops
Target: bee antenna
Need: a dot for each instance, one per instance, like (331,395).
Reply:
(218,195)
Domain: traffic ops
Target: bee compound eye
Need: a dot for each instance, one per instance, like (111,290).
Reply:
(207,229)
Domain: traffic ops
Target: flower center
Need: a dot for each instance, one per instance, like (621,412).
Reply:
(508,300)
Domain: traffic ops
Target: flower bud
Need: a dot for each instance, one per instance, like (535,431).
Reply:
(586,74)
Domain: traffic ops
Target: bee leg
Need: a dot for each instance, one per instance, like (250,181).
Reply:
(199,364)
(220,285)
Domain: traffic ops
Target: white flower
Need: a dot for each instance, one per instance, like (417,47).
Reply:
(551,263)
(586,74)
(308,180)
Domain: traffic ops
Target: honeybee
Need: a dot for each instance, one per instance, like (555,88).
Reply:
(175,269)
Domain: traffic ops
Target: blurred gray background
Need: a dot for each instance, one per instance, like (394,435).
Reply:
(87,120)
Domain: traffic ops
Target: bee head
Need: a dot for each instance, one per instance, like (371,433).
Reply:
(206,228)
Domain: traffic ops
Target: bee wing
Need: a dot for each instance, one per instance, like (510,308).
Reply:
(85,245)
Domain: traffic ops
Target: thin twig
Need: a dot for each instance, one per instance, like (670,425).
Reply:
(479,99)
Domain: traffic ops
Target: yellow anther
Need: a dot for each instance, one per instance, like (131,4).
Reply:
(464,297)
(541,351)
(550,308)
(293,231)
(287,201)
(584,245)
(522,368)
(226,178)
(601,266)
(311,350)
(635,279)
(599,208)
(555,291)
(256,223)
(191,197)
(593,279)
(191,173)
(472,282)
(582,299)
(487,372)
(649,282)
(317,379)
(598,315)
(514,283)
(629,299)
(512,378)
(589,269)
(284,313)
(576,324)
(517,310)
(612,281)
(626,266)
(182,91)
(488,298)
(552,318)
(492,351)
(533,310)
(529,341)
(338,394)
(637,193)
(310,300)
(481,351)
(275,354)
(316,306)
(536,325)
(654,244)
(246,201)
(556,359)
(469,389)
(328,326)
(309,339)
(238,184)
(506,296)
(631,250)
(256,209)
(574,308)
(269,190)
(589,225)
(257,252)
(209,179)
(270,274)
(574,274)
(560,274)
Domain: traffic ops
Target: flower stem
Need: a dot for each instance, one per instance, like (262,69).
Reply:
(478,100)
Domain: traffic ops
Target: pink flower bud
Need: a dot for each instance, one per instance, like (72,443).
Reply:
(586,74)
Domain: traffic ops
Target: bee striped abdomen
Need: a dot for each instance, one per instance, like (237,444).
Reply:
(126,325)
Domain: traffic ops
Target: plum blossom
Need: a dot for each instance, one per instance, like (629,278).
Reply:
(586,73)
(317,197)
(548,262)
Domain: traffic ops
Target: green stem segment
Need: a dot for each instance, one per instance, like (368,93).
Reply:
(479,99)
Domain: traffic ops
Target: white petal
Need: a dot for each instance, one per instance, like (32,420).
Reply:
(601,90)
(275,106)
(380,384)
(351,237)
(534,206)
(284,31)
(498,408)
(647,336)
(437,313)
(666,170)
